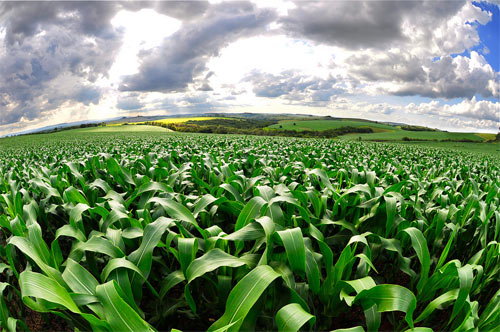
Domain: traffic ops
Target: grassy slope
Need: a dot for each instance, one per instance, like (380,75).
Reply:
(329,124)
(381,131)
(427,135)
(489,137)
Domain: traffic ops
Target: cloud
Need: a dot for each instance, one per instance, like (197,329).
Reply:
(88,95)
(56,57)
(182,10)
(183,56)
(25,19)
(401,74)
(469,108)
(129,103)
(377,24)
(295,87)
(459,77)
(387,66)
(440,28)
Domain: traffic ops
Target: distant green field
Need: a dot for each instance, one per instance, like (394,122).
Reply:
(329,124)
(488,148)
(381,132)
(399,134)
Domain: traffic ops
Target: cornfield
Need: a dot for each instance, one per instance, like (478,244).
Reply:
(233,233)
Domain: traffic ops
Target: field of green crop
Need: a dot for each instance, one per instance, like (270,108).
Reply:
(481,148)
(165,232)
(329,124)
(399,134)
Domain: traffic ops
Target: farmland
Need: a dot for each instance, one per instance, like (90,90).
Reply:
(135,230)
(381,131)
(330,124)
(399,135)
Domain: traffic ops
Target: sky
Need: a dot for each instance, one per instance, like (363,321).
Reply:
(430,63)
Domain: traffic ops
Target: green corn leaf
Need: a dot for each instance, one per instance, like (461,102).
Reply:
(121,175)
(390,206)
(189,299)
(203,202)
(74,196)
(295,249)
(174,209)
(466,277)
(143,256)
(119,315)
(39,286)
(117,263)
(79,279)
(99,245)
(187,251)
(389,298)
(352,329)
(243,296)
(312,272)
(436,303)
(229,188)
(29,250)
(357,285)
(420,246)
(174,278)
(292,317)
(252,231)
(490,317)
(212,260)
(249,212)
(373,318)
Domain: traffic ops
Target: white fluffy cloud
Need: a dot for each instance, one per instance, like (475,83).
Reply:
(75,60)
(473,109)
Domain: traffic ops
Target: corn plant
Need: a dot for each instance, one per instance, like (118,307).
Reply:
(229,233)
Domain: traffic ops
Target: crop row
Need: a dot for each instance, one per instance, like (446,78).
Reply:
(200,232)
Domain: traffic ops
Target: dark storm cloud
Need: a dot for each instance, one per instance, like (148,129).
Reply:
(362,24)
(182,57)
(353,24)
(25,19)
(88,95)
(182,10)
(387,67)
(52,53)
(129,103)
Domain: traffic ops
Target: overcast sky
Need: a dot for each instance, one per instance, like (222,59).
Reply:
(433,63)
